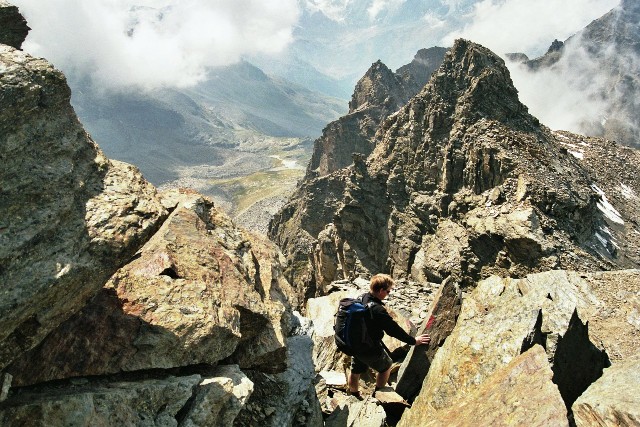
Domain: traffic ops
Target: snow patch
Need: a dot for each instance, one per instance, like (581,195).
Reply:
(607,208)
(627,192)
(576,154)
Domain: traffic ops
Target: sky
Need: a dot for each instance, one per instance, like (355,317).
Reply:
(152,43)
(527,26)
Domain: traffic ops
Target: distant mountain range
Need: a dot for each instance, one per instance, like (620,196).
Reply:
(237,109)
(336,42)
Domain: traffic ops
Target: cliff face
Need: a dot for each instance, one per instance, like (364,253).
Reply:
(464,182)
(69,216)
(141,306)
(607,52)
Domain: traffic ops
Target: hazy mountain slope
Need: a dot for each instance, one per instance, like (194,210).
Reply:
(238,109)
(597,73)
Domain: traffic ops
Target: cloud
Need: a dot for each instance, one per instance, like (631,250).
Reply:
(527,26)
(378,6)
(164,43)
(585,92)
(566,96)
(334,9)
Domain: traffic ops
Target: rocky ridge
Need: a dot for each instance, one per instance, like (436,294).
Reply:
(467,191)
(379,93)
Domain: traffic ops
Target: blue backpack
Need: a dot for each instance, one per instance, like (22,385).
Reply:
(350,328)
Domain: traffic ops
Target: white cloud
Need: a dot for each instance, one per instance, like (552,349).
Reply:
(163,43)
(528,26)
(378,6)
(334,9)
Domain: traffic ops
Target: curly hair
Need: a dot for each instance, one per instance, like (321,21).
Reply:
(381,281)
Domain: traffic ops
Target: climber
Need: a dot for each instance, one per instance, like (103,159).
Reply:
(380,322)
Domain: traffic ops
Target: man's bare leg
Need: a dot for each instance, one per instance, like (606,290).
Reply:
(354,382)
(382,378)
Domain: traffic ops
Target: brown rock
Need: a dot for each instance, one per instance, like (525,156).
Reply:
(439,323)
(520,393)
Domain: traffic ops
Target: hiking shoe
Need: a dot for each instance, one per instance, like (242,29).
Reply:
(355,394)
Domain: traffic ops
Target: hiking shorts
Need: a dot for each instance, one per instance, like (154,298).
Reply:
(380,361)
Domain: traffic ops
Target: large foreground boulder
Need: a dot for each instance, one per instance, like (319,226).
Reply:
(503,318)
(188,400)
(69,217)
(521,393)
(198,292)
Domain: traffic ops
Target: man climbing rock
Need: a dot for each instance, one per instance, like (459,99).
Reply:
(378,322)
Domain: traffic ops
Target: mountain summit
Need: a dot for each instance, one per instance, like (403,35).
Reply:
(463,182)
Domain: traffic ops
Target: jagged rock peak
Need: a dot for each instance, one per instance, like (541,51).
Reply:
(477,83)
(375,87)
(556,45)
(13,26)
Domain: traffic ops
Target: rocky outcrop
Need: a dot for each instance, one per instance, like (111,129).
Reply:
(613,400)
(123,307)
(69,217)
(199,292)
(13,26)
(506,395)
(563,312)
(463,183)
(188,400)
(379,93)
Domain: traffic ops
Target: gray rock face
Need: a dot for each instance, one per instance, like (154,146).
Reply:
(189,401)
(463,182)
(613,400)
(13,26)
(69,217)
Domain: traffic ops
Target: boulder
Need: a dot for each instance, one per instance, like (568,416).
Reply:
(614,399)
(69,217)
(439,323)
(520,393)
(351,412)
(503,318)
(188,400)
(218,399)
(198,292)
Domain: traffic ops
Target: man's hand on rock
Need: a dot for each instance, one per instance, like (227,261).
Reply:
(423,339)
